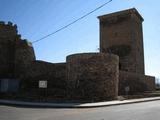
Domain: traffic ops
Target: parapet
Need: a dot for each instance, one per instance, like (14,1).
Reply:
(18,37)
(114,17)
(28,42)
(24,43)
(9,26)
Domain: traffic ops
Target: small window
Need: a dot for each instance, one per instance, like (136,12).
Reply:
(120,66)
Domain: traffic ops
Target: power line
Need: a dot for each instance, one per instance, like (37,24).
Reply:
(72,22)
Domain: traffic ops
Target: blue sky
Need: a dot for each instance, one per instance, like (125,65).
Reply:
(36,18)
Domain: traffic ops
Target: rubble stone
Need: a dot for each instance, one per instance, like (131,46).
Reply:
(93,76)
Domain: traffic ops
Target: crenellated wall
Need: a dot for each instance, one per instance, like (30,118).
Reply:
(84,76)
(8,33)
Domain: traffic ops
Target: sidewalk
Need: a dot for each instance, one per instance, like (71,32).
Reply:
(76,105)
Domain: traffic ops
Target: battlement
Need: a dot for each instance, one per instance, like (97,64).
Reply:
(9,32)
(18,36)
(2,23)
(27,42)
(23,42)
(114,17)
(8,29)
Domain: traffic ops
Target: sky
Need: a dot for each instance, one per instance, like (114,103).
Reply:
(37,18)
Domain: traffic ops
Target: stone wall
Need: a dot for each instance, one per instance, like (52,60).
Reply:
(150,82)
(85,76)
(8,34)
(136,82)
(8,31)
(17,60)
(54,74)
(92,76)
(6,60)
(121,34)
(23,57)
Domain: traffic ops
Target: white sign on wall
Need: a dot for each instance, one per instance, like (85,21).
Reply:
(43,84)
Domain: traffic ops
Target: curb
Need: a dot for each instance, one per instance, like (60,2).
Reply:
(75,105)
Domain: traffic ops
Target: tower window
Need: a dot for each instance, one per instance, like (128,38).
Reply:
(120,66)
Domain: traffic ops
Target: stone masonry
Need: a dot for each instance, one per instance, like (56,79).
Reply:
(95,73)
(84,76)
(8,34)
(121,34)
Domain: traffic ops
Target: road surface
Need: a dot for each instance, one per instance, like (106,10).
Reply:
(136,111)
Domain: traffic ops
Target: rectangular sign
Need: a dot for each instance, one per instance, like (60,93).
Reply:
(43,84)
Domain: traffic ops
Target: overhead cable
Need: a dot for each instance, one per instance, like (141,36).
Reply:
(66,26)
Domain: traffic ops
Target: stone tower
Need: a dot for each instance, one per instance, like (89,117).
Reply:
(15,53)
(8,33)
(121,34)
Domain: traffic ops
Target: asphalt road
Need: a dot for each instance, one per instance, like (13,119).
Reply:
(136,111)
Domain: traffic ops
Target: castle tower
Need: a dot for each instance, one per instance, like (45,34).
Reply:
(8,33)
(121,34)
(15,53)
(24,56)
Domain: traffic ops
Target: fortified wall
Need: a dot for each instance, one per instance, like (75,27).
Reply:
(15,55)
(85,76)
(73,80)
(8,34)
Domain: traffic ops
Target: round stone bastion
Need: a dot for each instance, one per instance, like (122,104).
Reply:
(92,76)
